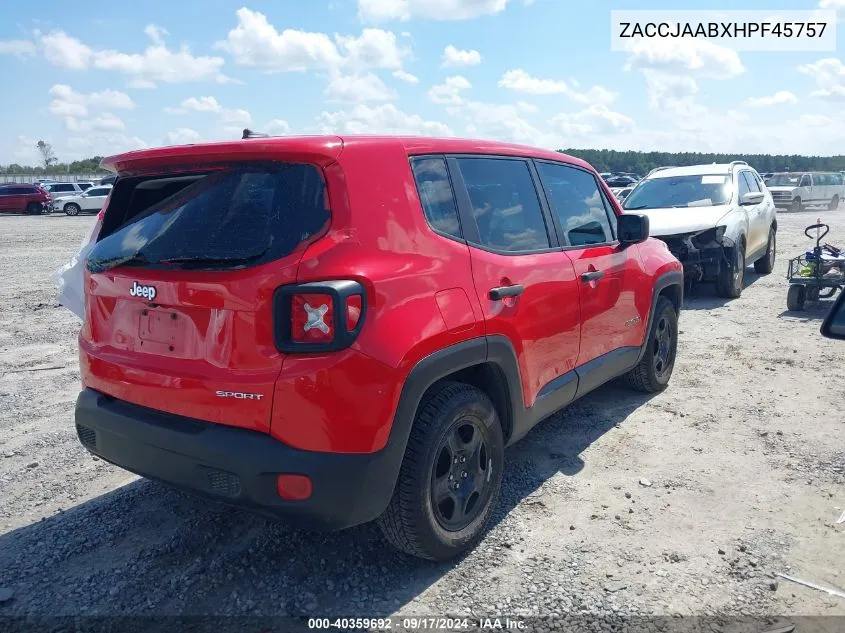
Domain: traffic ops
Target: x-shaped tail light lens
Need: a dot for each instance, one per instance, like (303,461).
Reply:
(320,316)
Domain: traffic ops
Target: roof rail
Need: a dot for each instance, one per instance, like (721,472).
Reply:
(250,134)
(738,162)
(659,169)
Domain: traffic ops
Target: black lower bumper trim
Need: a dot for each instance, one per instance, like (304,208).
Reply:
(233,465)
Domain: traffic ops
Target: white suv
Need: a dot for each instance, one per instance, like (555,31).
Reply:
(716,219)
(61,190)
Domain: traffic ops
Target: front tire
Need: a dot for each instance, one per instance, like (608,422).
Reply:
(766,264)
(797,205)
(834,203)
(654,370)
(451,475)
(71,208)
(33,208)
(732,277)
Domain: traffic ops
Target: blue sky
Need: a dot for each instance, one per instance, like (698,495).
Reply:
(119,76)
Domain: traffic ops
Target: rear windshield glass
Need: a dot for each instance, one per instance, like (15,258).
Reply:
(225,219)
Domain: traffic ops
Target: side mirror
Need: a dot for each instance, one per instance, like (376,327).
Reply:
(834,322)
(633,228)
(752,197)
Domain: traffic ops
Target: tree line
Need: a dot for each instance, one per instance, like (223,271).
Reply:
(602,159)
(643,162)
(50,165)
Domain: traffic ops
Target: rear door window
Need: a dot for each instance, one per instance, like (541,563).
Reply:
(225,219)
(504,203)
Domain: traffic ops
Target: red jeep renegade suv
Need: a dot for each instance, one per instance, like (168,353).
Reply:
(336,330)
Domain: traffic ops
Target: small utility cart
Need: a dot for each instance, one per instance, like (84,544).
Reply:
(816,274)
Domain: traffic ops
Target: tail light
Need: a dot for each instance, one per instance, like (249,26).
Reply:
(320,316)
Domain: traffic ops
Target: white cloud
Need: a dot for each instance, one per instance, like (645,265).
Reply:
(19,48)
(528,108)
(358,89)
(65,51)
(67,102)
(256,43)
(236,117)
(278,126)
(374,48)
(518,80)
(829,74)
(99,143)
(596,119)
(183,136)
(156,33)
(455,57)
(103,122)
(209,105)
(156,64)
(202,104)
(382,119)
(780,97)
(407,77)
(404,10)
(159,64)
(504,122)
(815,120)
(449,92)
(684,56)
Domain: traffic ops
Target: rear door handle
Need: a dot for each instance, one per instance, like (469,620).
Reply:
(592,276)
(497,294)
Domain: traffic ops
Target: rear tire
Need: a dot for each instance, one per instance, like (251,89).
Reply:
(654,370)
(766,264)
(834,203)
(71,208)
(795,298)
(732,277)
(456,440)
(796,205)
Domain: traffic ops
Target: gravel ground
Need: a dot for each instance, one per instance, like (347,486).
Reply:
(687,503)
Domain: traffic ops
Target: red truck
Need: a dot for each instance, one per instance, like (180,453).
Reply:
(335,330)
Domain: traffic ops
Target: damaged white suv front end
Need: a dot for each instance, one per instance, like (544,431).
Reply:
(715,219)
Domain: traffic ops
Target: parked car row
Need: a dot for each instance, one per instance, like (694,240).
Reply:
(47,197)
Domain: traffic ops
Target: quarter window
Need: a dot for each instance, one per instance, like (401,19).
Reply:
(504,203)
(578,203)
(435,191)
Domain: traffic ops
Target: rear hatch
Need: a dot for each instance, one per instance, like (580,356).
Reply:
(179,285)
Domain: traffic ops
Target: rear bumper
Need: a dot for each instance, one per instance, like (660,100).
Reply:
(234,465)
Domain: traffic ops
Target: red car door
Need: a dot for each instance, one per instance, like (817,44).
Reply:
(612,324)
(525,283)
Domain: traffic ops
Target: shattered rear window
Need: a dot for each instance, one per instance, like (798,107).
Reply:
(223,219)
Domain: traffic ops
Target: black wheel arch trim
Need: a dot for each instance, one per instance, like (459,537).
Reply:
(499,351)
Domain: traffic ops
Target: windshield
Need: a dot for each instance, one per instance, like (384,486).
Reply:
(225,219)
(784,180)
(680,191)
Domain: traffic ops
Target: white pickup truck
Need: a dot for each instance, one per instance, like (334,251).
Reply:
(796,190)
